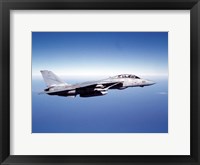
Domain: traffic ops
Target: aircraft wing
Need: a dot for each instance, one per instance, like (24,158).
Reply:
(91,84)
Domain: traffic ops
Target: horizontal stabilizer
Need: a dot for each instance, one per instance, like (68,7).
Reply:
(41,93)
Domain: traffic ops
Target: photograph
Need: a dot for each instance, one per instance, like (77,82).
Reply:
(99,82)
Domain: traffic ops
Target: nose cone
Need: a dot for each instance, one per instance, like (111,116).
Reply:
(150,82)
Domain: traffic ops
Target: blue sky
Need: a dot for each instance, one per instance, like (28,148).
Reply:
(100,53)
(84,55)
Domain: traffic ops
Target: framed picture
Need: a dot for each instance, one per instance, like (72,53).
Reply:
(106,82)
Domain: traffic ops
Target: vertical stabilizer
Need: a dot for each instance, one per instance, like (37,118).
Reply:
(51,79)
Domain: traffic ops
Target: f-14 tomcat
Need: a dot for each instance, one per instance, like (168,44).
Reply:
(56,86)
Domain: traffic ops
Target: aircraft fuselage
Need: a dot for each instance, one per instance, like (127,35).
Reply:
(94,88)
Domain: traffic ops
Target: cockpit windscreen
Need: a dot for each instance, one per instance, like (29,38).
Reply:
(127,76)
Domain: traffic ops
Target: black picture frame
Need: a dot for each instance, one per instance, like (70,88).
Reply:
(7,5)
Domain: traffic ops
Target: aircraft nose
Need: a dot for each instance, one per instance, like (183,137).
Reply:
(150,82)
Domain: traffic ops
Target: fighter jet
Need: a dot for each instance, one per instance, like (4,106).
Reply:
(56,86)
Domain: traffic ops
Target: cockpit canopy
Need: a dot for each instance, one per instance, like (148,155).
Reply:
(126,76)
